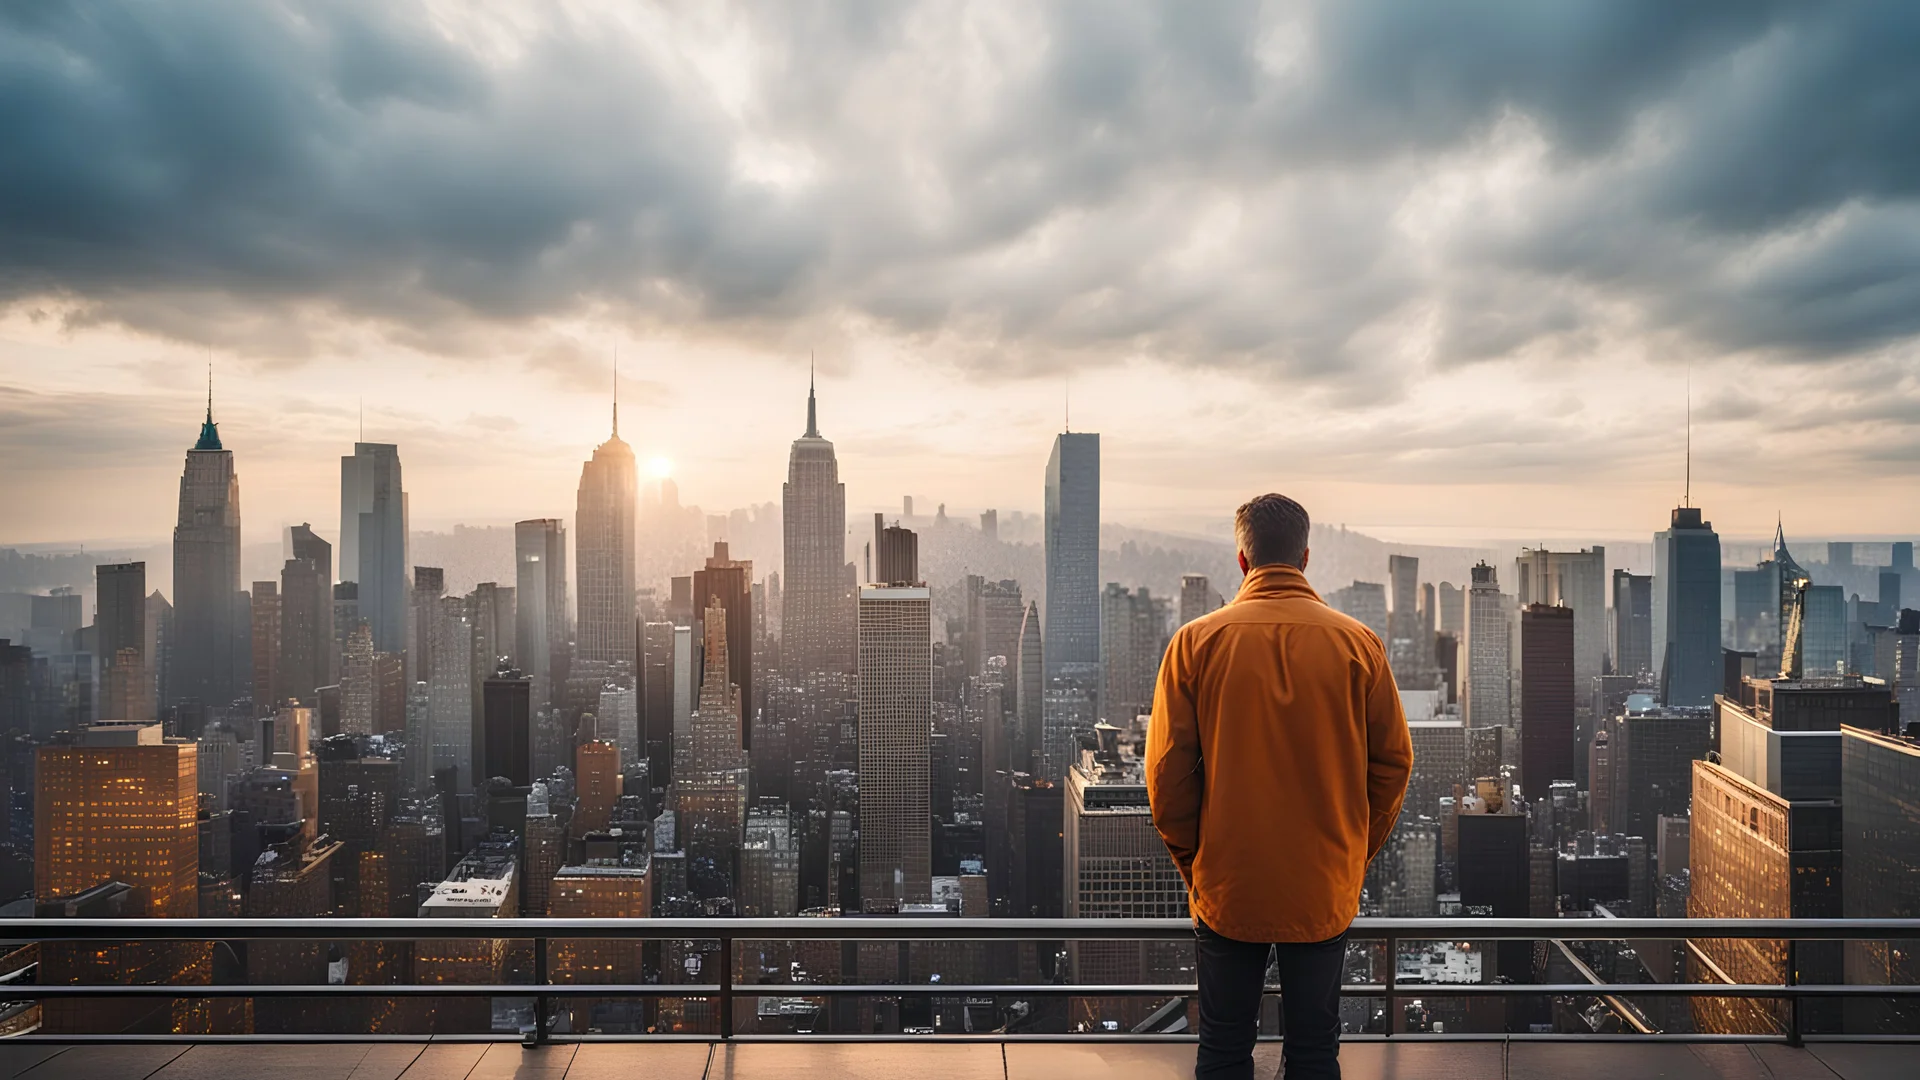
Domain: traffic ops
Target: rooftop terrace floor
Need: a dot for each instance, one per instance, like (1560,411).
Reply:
(1515,1060)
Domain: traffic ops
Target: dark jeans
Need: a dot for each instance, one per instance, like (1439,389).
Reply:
(1232,976)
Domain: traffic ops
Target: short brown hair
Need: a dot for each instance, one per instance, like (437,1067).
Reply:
(1271,529)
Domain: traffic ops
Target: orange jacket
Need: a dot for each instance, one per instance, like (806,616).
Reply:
(1276,760)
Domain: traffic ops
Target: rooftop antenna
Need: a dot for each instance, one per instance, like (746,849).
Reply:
(209,389)
(1067,399)
(1686,498)
(813,426)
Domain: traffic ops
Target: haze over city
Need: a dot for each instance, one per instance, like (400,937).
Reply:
(1445,276)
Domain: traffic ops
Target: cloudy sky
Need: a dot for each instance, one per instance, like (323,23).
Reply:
(1444,268)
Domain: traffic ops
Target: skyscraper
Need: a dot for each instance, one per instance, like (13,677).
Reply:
(1073,554)
(120,624)
(508,723)
(540,598)
(710,762)
(1407,647)
(212,661)
(1576,580)
(1031,677)
(306,617)
(119,805)
(603,536)
(1489,652)
(1196,597)
(728,582)
(1547,646)
(896,707)
(264,608)
(373,540)
(1686,608)
(817,611)
(1632,623)
(1133,637)
(896,554)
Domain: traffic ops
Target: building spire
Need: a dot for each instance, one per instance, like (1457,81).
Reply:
(209,431)
(616,391)
(813,426)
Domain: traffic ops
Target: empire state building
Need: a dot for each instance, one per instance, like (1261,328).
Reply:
(603,550)
(816,619)
(211,655)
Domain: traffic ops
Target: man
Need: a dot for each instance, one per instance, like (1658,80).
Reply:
(1276,762)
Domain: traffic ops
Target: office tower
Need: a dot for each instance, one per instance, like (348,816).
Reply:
(1632,623)
(451,728)
(596,769)
(485,884)
(619,722)
(1439,764)
(265,608)
(358,797)
(1547,645)
(769,866)
(210,654)
(157,649)
(120,804)
(1030,678)
(896,705)
(429,588)
(507,711)
(1197,597)
(607,884)
(1879,776)
(710,764)
(1073,554)
(1365,601)
(604,553)
(816,608)
(656,700)
(373,540)
(995,610)
(1489,647)
(1494,872)
(1824,630)
(120,624)
(1407,648)
(357,682)
(413,851)
(540,602)
(1133,636)
(1758,854)
(728,582)
(1649,767)
(896,554)
(1576,580)
(1400,879)
(1452,603)
(495,624)
(1115,864)
(306,618)
(1035,842)
(1686,608)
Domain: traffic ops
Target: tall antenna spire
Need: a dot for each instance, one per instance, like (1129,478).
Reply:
(813,426)
(1687,498)
(209,390)
(616,391)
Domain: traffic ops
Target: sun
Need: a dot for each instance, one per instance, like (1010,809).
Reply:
(660,467)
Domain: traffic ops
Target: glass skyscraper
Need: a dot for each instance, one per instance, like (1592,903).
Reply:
(1072,621)
(373,540)
(1687,608)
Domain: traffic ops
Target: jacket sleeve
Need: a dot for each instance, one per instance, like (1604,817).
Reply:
(1389,758)
(1174,776)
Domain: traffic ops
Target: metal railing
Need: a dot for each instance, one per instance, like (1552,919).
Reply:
(543,932)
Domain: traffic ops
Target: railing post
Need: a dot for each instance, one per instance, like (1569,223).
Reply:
(726,986)
(1393,972)
(1793,1001)
(539,999)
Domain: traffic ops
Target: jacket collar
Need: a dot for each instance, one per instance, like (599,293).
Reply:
(1275,581)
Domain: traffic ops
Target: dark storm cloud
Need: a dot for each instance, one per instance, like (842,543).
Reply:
(1227,184)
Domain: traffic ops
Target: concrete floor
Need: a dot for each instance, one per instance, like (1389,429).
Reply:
(1519,1060)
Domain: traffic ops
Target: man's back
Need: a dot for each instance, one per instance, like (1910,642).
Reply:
(1276,760)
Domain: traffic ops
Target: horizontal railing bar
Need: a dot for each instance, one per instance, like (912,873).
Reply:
(806,990)
(888,928)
